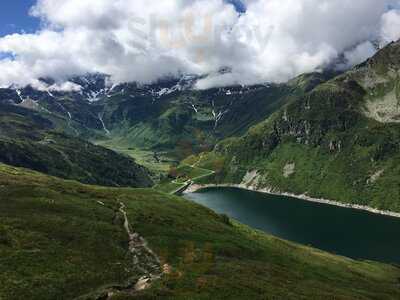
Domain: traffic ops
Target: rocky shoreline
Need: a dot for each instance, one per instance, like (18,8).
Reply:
(196,187)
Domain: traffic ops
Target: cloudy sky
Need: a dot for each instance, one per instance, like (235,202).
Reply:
(145,40)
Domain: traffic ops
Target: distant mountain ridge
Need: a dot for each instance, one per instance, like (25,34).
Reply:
(160,115)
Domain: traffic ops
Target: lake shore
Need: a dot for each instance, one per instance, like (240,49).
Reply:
(196,187)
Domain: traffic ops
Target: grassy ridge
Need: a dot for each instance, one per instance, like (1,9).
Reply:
(58,241)
(27,139)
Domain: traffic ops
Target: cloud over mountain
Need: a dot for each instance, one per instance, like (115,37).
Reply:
(138,40)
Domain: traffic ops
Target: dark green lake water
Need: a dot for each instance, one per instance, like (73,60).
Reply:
(348,232)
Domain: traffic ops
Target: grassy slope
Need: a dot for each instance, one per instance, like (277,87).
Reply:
(27,139)
(58,242)
(336,151)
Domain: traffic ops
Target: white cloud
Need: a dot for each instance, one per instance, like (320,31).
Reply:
(357,55)
(140,40)
(65,87)
(391,26)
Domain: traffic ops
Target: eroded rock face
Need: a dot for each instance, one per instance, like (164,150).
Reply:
(289,169)
(380,77)
(374,177)
(385,109)
(252,178)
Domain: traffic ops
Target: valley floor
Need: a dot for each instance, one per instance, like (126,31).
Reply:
(156,162)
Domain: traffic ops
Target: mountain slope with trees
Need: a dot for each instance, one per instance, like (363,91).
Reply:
(340,141)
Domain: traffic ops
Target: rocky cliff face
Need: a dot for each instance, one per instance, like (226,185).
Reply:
(380,78)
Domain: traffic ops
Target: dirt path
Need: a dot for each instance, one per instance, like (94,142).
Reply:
(144,259)
(145,262)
